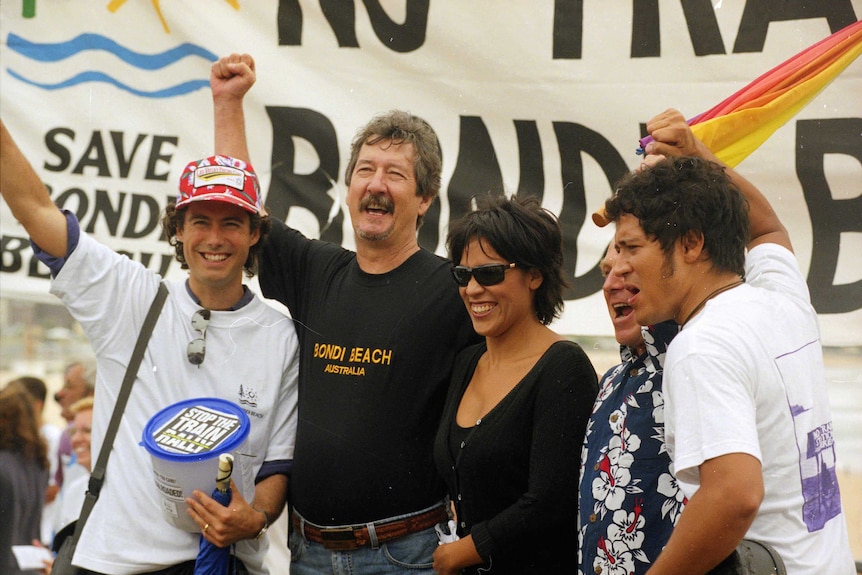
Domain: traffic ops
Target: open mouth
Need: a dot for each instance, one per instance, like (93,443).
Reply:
(622,310)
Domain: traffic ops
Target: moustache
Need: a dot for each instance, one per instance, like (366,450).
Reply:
(376,203)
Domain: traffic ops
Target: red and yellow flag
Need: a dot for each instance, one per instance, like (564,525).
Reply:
(739,124)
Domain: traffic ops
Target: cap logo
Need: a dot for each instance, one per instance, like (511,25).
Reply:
(219,175)
(220,178)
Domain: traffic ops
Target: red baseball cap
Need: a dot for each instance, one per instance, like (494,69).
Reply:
(220,178)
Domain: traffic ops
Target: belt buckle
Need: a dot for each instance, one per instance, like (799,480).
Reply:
(339,539)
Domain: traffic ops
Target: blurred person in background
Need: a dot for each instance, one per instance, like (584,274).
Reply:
(51,433)
(23,474)
(79,381)
(71,495)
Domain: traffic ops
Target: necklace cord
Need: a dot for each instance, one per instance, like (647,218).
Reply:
(714,293)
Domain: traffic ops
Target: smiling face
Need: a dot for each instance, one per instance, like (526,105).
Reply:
(80,436)
(382,196)
(216,239)
(626,329)
(497,309)
(648,274)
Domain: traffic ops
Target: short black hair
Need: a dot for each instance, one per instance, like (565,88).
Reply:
(523,232)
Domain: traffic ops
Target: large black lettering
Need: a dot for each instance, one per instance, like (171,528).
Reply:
(110,214)
(158,155)
(477,170)
(94,157)
(703,27)
(646,29)
(568,29)
(286,187)
(759,13)
(341,15)
(54,146)
(532,180)
(700,19)
(149,208)
(829,217)
(573,141)
(37,269)
(405,37)
(289,23)
(11,248)
(125,164)
(14,251)
(74,200)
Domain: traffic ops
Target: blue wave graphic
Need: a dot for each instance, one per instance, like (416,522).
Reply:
(62,50)
(92,76)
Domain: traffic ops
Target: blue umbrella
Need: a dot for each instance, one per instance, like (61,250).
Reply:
(214,560)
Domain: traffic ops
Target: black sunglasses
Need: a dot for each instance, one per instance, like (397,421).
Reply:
(197,348)
(486,275)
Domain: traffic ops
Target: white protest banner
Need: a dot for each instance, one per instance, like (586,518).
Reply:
(109,100)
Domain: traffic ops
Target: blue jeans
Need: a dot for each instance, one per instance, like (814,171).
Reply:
(411,554)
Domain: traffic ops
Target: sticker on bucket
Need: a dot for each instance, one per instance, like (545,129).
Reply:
(185,440)
(197,429)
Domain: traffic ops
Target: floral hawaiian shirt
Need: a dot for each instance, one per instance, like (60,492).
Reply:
(629,500)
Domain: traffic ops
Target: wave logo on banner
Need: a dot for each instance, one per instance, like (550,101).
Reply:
(56,52)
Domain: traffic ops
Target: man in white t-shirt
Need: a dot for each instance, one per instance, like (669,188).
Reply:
(748,423)
(213,339)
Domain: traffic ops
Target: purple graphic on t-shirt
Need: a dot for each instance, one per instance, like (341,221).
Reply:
(819,481)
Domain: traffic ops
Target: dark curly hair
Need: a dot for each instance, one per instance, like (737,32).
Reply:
(678,196)
(523,232)
(173,219)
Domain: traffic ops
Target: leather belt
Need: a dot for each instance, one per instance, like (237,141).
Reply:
(353,537)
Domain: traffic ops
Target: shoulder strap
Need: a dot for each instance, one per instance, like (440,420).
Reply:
(97,476)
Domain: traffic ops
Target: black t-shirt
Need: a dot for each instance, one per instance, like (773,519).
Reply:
(376,355)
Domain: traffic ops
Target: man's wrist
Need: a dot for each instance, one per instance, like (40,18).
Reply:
(263,529)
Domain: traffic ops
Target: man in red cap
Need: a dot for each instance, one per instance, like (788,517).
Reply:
(208,342)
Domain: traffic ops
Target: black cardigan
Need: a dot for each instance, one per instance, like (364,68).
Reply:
(514,479)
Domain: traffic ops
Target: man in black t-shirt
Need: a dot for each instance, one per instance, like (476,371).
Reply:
(379,330)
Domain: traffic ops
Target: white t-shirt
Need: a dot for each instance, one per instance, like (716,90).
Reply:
(251,359)
(71,496)
(746,375)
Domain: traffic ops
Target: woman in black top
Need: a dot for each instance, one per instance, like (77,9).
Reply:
(509,442)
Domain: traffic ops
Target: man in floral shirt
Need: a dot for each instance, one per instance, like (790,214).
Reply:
(629,500)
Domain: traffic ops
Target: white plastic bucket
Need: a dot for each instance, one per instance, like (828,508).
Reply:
(185,440)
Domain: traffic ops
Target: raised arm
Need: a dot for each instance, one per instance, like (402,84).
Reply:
(673,137)
(28,198)
(230,78)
